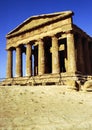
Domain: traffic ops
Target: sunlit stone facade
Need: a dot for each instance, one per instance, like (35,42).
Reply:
(54,47)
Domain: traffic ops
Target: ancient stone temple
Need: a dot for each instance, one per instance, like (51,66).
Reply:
(57,51)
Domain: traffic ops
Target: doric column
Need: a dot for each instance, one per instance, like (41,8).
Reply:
(28,60)
(41,58)
(18,62)
(71,53)
(9,64)
(55,55)
(80,55)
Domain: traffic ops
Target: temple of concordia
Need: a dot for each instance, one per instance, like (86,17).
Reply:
(57,51)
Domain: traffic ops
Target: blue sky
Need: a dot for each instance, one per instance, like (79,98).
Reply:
(14,12)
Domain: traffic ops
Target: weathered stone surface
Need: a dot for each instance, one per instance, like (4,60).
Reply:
(50,43)
(55,55)
(87,86)
(29,60)
(9,64)
(31,27)
(18,62)
(41,58)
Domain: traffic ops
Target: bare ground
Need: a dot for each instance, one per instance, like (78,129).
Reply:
(44,108)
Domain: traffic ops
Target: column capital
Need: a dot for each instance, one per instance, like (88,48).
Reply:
(9,49)
(69,32)
(53,36)
(40,40)
(28,43)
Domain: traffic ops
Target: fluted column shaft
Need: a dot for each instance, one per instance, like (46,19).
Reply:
(71,53)
(28,60)
(41,58)
(9,64)
(18,62)
(55,55)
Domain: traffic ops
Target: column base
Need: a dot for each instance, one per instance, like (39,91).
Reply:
(71,80)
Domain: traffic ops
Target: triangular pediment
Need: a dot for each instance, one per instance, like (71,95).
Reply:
(36,21)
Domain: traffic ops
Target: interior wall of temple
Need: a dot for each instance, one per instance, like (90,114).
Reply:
(83,54)
(48,55)
(35,60)
(62,54)
(90,53)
